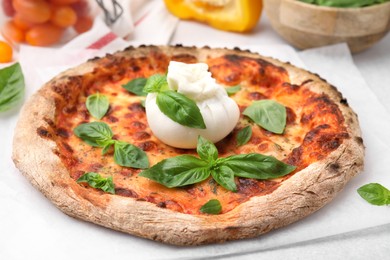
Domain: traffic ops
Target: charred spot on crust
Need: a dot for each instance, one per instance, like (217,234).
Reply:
(249,187)
(147,146)
(184,57)
(234,58)
(126,193)
(43,132)
(62,132)
(344,101)
(67,147)
(141,135)
(295,156)
(334,167)
(290,86)
(306,81)
(112,119)
(291,117)
(256,96)
(162,205)
(136,107)
(359,140)
(138,125)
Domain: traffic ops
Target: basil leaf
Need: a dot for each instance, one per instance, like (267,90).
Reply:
(128,155)
(244,135)
(136,86)
(256,166)
(156,83)
(180,109)
(212,207)
(233,90)
(97,105)
(269,114)
(178,171)
(96,181)
(206,150)
(225,177)
(375,194)
(11,86)
(96,134)
(106,145)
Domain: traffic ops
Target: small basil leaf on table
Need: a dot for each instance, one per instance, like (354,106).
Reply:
(97,105)
(11,86)
(95,180)
(212,207)
(96,134)
(375,194)
(129,155)
(178,171)
(268,114)
(136,86)
(233,90)
(224,176)
(256,166)
(156,83)
(244,135)
(206,150)
(180,109)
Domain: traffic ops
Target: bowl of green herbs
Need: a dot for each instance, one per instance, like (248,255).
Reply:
(314,23)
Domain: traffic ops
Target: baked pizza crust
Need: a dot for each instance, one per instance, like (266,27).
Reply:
(298,196)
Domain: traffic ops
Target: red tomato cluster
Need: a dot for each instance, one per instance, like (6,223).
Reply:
(43,22)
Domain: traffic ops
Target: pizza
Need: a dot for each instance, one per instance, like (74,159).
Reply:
(112,181)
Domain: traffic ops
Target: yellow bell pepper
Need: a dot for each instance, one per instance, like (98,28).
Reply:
(228,15)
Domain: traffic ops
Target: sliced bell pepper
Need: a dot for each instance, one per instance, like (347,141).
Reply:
(228,15)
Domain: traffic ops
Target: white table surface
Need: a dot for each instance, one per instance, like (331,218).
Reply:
(374,65)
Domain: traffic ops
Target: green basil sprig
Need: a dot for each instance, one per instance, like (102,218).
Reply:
(95,180)
(136,86)
(268,114)
(212,207)
(187,169)
(244,135)
(128,155)
(233,90)
(96,134)
(97,105)
(99,134)
(375,194)
(174,105)
(11,86)
(344,3)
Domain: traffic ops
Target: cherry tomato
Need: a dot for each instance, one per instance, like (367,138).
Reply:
(64,2)
(12,33)
(83,24)
(63,16)
(44,35)
(8,8)
(34,11)
(21,23)
(81,8)
(5,52)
